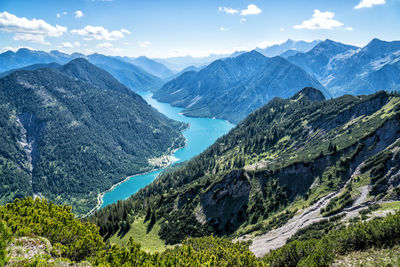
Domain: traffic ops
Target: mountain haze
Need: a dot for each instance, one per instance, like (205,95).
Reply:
(151,66)
(278,49)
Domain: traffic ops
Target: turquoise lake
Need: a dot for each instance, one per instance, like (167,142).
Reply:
(201,134)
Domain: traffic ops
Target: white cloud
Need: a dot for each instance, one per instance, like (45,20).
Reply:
(99,33)
(144,44)
(320,20)
(34,30)
(61,14)
(69,45)
(78,14)
(125,31)
(88,51)
(104,45)
(251,10)
(242,20)
(282,29)
(228,10)
(349,28)
(116,50)
(222,29)
(369,3)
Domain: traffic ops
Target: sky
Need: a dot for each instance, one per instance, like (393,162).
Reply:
(169,28)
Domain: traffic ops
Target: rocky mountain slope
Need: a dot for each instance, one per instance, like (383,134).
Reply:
(345,69)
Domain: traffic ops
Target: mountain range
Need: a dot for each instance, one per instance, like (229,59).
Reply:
(151,66)
(131,75)
(344,69)
(290,46)
(72,131)
(313,160)
(232,88)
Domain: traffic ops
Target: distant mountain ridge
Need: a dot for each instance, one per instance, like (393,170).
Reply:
(278,49)
(127,73)
(345,69)
(231,88)
(151,66)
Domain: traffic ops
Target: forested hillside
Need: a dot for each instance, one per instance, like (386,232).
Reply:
(277,162)
(72,132)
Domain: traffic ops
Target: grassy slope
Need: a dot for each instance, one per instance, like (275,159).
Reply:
(371,257)
(149,241)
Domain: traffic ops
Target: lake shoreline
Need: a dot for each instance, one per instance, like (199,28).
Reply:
(101,195)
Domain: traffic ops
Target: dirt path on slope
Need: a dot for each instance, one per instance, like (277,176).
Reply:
(276,238)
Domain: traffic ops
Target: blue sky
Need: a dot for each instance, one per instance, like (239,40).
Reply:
(161,28)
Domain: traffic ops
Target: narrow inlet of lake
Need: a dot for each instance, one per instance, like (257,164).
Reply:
(202,133)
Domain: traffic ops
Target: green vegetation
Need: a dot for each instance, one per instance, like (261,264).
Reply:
(77,241)
(376,233)
(338,203)
(82,133)
(371,258)
(72,238)
(58,237)
(282,158)
(149,240)
(317,230)
(390,206)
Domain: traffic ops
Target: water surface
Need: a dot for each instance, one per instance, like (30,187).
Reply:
(201,134)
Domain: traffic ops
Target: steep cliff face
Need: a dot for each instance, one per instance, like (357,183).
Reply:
(225,203)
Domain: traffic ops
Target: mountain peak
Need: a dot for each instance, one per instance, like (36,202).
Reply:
(380,47)
(251,54)
(82,69)
(23,50)
(78,63)
(375,44)
(311,93)
(331,47)
(376,40)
